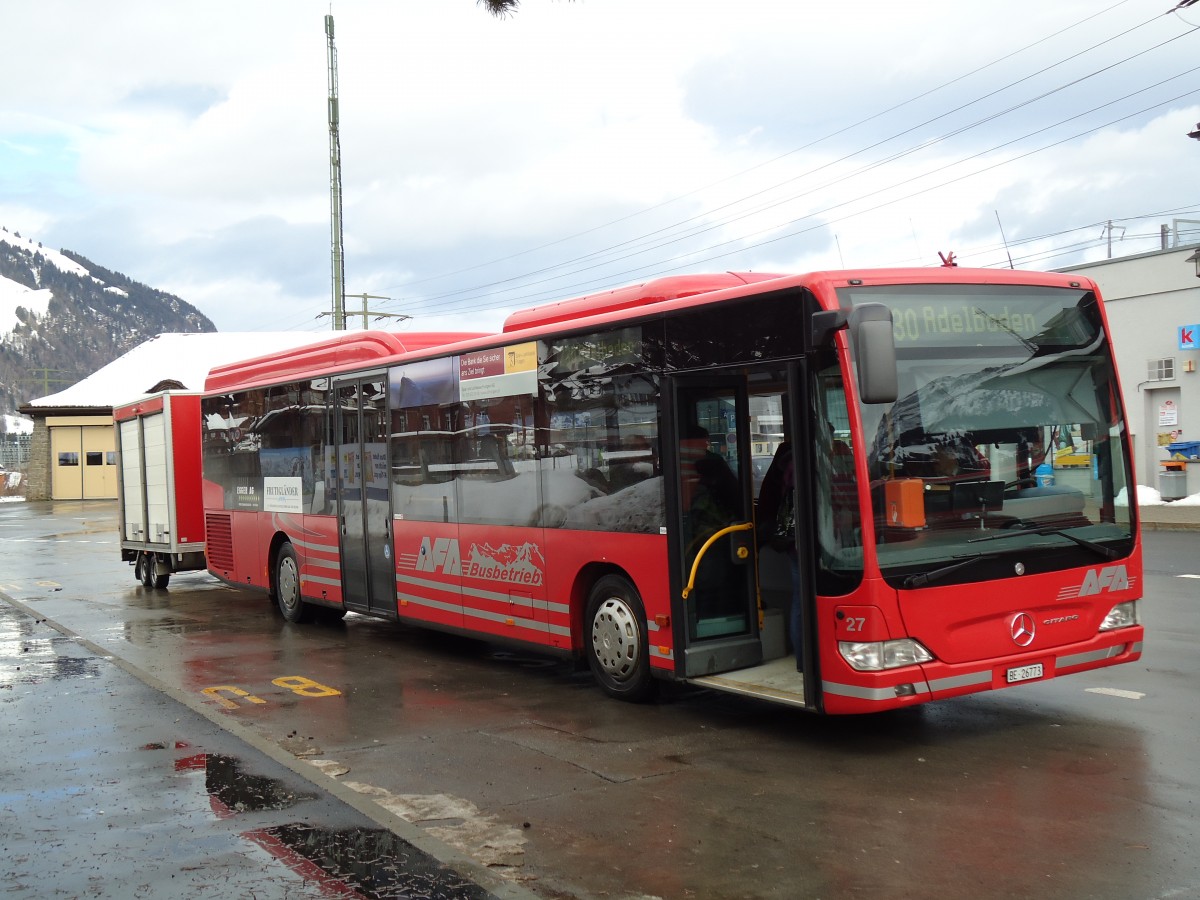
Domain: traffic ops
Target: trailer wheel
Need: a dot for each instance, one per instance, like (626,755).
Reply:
(287,586)
(617,650)
(149,579)
(137,567)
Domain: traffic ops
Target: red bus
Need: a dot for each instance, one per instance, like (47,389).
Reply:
(829,490)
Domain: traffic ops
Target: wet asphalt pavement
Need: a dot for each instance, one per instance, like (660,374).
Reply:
(110,788)
(189,742)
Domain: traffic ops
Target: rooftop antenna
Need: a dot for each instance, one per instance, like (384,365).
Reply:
(335,187)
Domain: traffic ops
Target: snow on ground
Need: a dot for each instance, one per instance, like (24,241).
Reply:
(53,257)
(1148,496)
(13,294)
(16,425)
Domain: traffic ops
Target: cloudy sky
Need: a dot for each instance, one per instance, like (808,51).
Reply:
(491,165)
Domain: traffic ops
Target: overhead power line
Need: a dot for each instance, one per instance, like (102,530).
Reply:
(644,244)
(524,287)
(865,120)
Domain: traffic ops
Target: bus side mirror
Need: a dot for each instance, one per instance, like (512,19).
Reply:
(874,352)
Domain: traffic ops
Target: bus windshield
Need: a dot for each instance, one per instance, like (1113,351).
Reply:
(1006,446)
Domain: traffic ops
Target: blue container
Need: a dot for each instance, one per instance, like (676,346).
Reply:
(1184,450)
(1044,475)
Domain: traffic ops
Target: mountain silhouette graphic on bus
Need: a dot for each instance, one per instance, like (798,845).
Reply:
(523,564)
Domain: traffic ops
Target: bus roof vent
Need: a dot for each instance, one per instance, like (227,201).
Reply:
(629,297)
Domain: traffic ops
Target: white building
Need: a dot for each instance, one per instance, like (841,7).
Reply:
(1153,306)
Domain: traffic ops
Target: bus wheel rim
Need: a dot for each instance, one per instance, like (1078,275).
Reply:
(287,583)
(616,639)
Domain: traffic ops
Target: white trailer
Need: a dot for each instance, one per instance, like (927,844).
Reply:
(159,486)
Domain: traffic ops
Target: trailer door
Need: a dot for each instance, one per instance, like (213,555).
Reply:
(133,513)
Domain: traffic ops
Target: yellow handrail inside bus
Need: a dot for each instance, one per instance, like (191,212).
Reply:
(729,529)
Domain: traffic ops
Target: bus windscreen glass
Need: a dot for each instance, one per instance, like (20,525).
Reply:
(1007,437)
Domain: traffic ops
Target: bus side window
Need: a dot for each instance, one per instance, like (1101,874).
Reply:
(493,487)
(422,465)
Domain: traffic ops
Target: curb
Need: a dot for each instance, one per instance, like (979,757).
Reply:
(500,887)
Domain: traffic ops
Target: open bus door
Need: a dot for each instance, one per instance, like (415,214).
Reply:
(363,495)
(732,600)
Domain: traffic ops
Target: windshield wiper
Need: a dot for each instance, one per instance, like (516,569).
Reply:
(1100,549)
(924,578)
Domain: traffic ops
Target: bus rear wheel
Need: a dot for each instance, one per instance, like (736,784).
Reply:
(617,650)
(287,586)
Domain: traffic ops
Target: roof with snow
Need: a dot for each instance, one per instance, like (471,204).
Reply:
(185,358)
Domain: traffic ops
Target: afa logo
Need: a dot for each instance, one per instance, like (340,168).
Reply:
(1110,578)
(439,554)
(522,564)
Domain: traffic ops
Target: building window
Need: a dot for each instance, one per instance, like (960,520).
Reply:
(1161,369)
(95,458)
(68,459)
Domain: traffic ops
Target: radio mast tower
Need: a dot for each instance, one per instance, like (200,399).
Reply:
(335,187)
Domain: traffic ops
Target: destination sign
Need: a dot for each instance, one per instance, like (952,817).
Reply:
(918,321)
(1016,316)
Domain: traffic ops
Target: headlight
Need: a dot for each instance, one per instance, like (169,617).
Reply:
(879,655)
(1121,616)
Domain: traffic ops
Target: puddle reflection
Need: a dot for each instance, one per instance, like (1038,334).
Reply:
(371,861)
(25,660)
(345,862)
(233,790)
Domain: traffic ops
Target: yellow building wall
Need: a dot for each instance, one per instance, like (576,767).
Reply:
(83,458)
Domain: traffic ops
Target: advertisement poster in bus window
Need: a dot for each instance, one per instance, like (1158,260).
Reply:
(431,381)
(502,372)
(282,495)
(363,470)
(245,496)
(288,462)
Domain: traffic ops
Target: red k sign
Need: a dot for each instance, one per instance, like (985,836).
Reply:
(1189,337)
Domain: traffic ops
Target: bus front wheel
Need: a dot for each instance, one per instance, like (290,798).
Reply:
(617,650)
(287,586)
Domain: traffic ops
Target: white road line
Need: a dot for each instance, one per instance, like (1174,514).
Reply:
(1115,692)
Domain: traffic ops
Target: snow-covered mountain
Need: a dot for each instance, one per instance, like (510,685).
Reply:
(62,317)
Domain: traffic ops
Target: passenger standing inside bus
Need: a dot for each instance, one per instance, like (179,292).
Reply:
(710,502)
(776,525)
(709,485)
